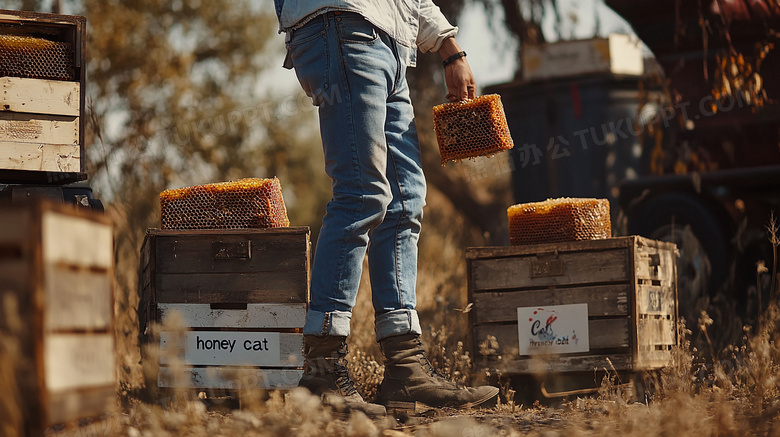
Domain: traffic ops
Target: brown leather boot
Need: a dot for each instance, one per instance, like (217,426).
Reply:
(325,374)
(409,378)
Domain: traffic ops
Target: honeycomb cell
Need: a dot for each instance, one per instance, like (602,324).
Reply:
(36,58)
(559,220)
(241,204)
(471,128)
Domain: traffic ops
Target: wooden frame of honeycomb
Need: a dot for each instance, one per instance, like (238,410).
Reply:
(471,128)
(242,204)
(559,220)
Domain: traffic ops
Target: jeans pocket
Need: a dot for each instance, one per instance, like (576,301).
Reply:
(353,28)
(309,55)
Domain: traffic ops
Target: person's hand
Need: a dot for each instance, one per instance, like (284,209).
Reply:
(457,74)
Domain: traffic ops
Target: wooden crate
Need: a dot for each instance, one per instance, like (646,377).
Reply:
(235,287)
(628,284)
(42,120)
(56,311)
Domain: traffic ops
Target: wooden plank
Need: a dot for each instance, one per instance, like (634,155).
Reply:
(229,378)
(603,334)
(232,348)
(297,230)
(656,331)
(75,241)
(77,361)
(77,299)
(602,300)
(656,339)
(40,96)
(655,299)
(655,265)
(207,253)
(71,405)
(256,315)
(44,20)
(267,287)
(40,157)
(512,365)
(578,268)
(475,253)
(38,129)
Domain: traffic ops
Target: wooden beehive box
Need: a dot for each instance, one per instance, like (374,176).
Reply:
(42,73)
(56,314)
(628,284)
(242,296)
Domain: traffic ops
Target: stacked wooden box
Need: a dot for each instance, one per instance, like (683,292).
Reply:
(56,312)
(41,111)
(627,283)
(241,295)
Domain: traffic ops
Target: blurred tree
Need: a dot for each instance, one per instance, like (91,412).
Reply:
(523,19)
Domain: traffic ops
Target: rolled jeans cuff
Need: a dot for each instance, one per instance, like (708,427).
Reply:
(332,323)
(397,322)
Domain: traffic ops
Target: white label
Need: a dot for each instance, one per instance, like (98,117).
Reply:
(557,329)
(218,348)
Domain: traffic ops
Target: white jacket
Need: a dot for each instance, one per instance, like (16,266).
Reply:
(411,23)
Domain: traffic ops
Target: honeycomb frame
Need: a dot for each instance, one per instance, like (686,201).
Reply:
(36,58)
(559,220)
(242,204)
(471,128)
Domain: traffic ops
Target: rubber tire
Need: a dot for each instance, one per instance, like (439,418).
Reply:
(653,218)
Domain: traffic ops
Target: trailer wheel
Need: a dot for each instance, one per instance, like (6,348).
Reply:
(700,237)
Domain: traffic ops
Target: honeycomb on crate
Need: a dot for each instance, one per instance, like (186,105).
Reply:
(471,128)
(559,220)
(241,204)
(36,58)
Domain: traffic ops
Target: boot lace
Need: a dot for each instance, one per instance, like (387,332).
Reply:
(340,370)
(429,369)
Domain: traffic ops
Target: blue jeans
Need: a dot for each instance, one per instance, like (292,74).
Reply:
(353,72)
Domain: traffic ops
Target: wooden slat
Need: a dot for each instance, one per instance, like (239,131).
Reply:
(267,253)
(296,230)
(40,157)
(269,287)
(474,253)
(602,300)
(656,331)
(66,406)
(511,365)
(230,378)
(656,337)
(77,299)
(578,268)
(38,129)
(254,316)
(655,299)
(603,334)
(288,354)
(75,241)
(40,96)
(74,361)
(655,264)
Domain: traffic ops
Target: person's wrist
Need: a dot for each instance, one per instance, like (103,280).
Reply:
(449,47)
